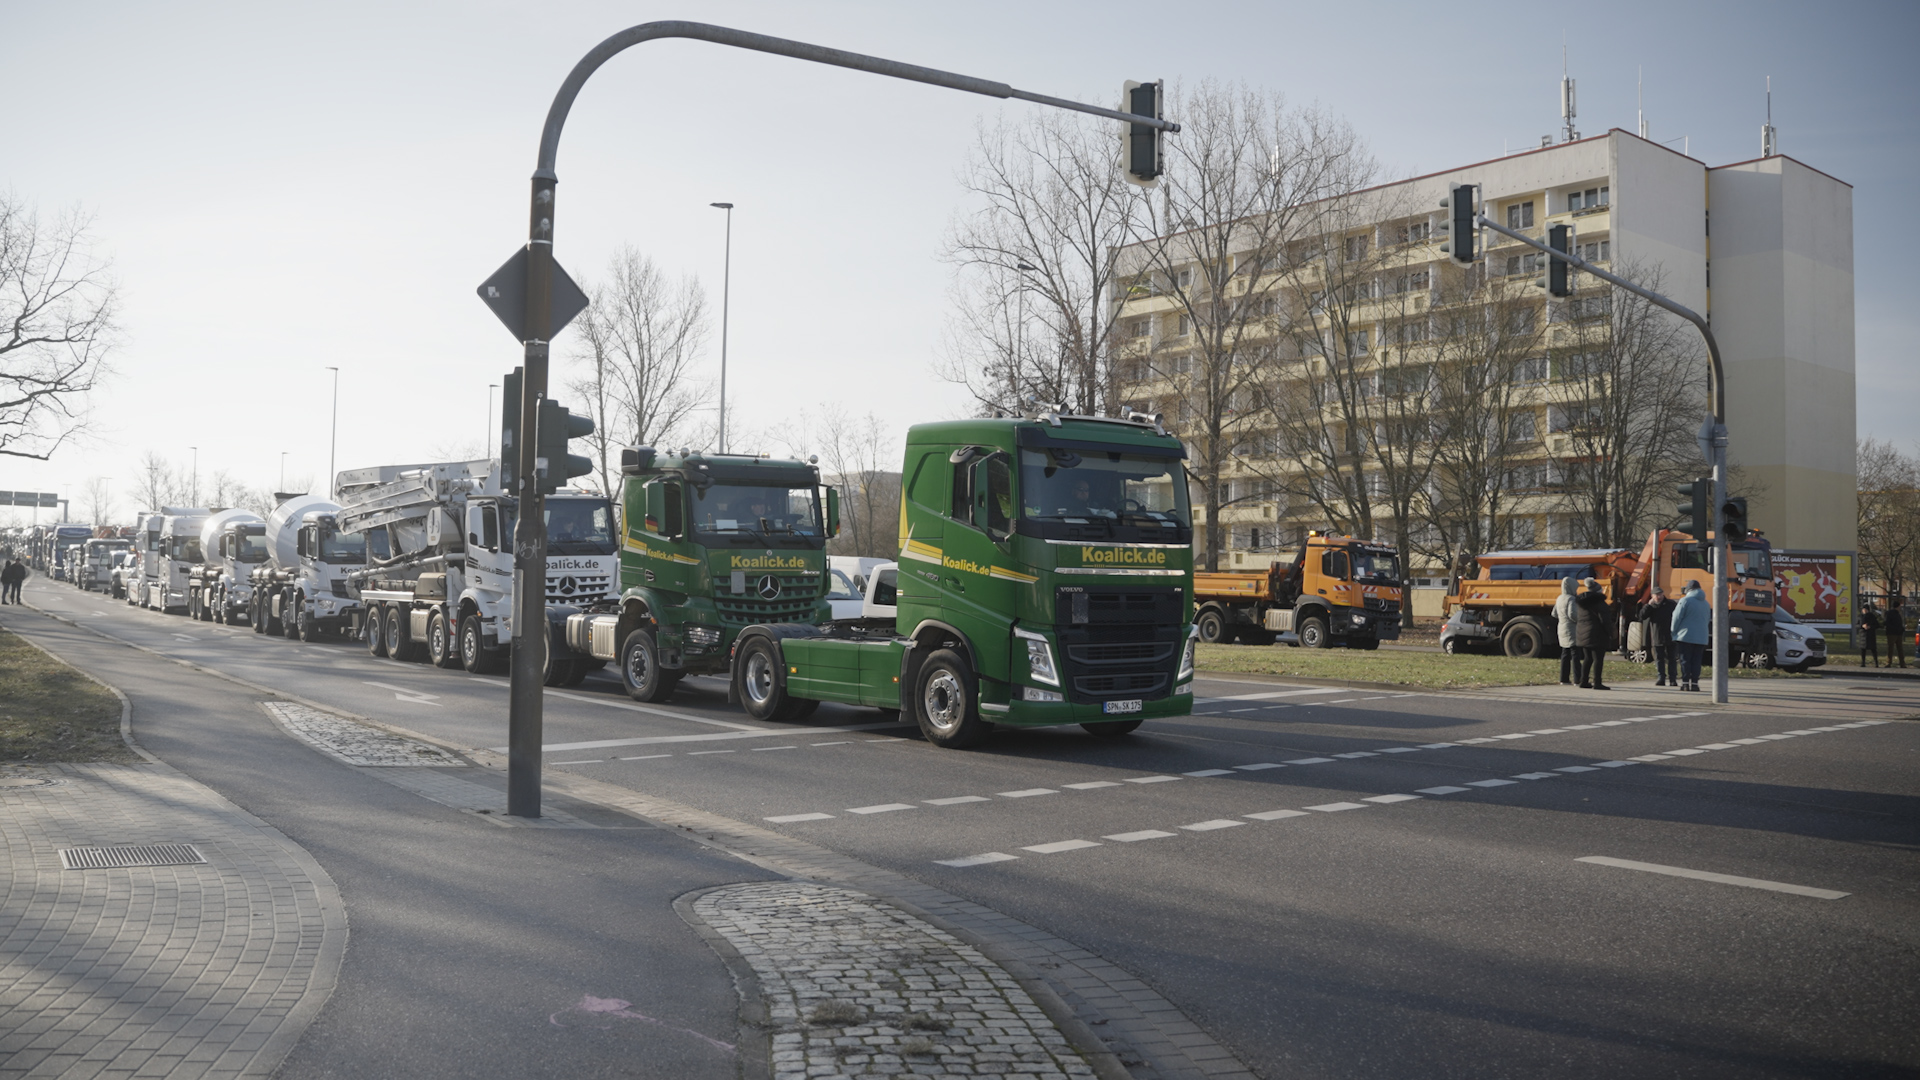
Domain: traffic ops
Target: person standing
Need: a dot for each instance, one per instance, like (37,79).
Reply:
(1658,614)
(1692,626)
(10,579)
(1592,634)
(1869,634)
(1896,623)
(1563,617)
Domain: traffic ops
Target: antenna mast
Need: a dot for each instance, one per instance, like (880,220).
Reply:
(1769,138)
(1640,99)
(1566,99)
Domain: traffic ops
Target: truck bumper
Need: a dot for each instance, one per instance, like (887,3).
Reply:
(1019,713)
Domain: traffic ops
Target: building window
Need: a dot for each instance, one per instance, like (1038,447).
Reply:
(1412,333)
(1139,327)
(1523,321)
(1356,248)
(1589,199)
(1520,427)
(1520,215)
(1531,370)
(1520,532)
(1590,307)
(1183,279)
(1183,327)
(1598,251)
(1357,343)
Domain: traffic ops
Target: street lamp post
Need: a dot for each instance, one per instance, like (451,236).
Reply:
(193,485)
(726,287)
(1020,332)
(283,471)
(333,441)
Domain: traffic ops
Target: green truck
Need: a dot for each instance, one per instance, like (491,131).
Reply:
(710,544)
(1045,577)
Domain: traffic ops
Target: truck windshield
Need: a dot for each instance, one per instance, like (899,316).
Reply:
(1752,562)
(1375,566)
(344,547)
(184,549)
(253,547)
(1081,489)
(579,526)
(757,513)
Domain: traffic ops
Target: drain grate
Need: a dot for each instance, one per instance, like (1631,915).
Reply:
(102,858)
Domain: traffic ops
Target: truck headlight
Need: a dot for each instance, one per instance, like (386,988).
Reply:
(703,636)
(1039,657)
(1359,618)
(1186,658)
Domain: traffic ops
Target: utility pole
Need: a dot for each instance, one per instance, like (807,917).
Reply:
(525,720)
(193,484)
(726,288)
(1712,437)
(333,442)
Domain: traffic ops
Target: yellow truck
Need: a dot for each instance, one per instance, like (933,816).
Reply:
(1336,590)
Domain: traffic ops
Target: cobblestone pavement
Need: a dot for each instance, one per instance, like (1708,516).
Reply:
(356,744)
(855,988)
(157,971)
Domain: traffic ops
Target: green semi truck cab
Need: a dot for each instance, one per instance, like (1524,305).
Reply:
(1045,577)
(710,544)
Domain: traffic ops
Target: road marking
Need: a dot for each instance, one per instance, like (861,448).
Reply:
(1515,735)
(978,860)
(1143,834)
(1724,879)
(697,753)
(957,800)
(1581,727)
(1749,742)
(1259,765)
(1400,750)
(1576,768)
(1276,815)
(757,749)
(1255,708)
(1772,737)
(1717,746)
(1802,731)
(1269,696)
(1061,845)
(1611,723)
(1209,826)
(1342,701)
(1489,783)
(784,818)
(589,761)
(1335,807)
(644,757)
(1092,784)
(1473,742)
(1437,745)
(415,697)
(1310,761)
(1653,757)
(1150,779)
(1026,793)
(1610,764)
(1390,798)
(716,736)
(602,699)
(1210,772)
(880,808)
(1357,754)
(1534,776)
(1687,751)
(842,742)
(1549,731)
(1443,790)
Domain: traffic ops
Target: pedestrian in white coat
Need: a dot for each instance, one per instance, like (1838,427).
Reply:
(1564,614)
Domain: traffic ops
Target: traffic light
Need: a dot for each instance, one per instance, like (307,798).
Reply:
(1459,227)
(1693,512)
(1733,514)
(556,466)
(1140,144)
(1559,272)
(509,423)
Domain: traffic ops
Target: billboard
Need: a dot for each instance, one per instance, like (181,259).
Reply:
(1817,586)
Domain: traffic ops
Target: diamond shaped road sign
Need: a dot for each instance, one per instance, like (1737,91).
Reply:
(505,294)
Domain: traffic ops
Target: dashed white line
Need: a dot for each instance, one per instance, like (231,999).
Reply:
(1389,798)
(1061,845)
(1534,776)
(1210,772)
(784,818)
(1150,779)
(978,860)
(1026,793)
(1576,768)
(1276,815)
(1310,761)
(1091,785)
(644,757)
(1259,765)
(1704,875)
(1210,826)
(589,761)
(957,800)
(758,749)
(1335,807)
(1489,783)
(1443,790)
(1143,834)
(880,808)
(1357,754)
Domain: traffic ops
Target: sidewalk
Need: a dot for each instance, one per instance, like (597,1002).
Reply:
(1838,699)
(186,970)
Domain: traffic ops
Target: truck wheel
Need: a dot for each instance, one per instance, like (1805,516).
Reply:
(1313,633)
(375,631)
(577,672)
(193,606)
(1113,729)
(640,669)
(473,652)
(290,616)
(440,644)
(756,679)
(395,627)
(308,626)
(253,615)
(944,702)
(1213,627)
(557,672)
(1524,641)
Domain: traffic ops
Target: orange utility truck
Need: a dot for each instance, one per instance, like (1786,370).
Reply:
(1510,603)
(1337,590)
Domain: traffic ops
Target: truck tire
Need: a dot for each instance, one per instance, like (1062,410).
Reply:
(253,615)
(474,655)
(757,683)
(640,670)
(441,650)
(290,616)
(945,702)
(1113,729)
(1214,629)
(309,627)
(375,631)
(1313,633)
(399,646)
(1524,640)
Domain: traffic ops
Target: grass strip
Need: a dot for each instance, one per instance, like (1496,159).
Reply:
(49,712)
(1427,671)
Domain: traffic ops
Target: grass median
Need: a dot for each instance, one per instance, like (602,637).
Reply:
(1423,670)
(49,712)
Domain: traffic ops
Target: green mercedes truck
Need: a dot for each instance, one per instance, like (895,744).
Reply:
(709,545)
(1045,578)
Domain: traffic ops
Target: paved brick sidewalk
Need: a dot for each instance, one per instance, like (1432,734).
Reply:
(207,970)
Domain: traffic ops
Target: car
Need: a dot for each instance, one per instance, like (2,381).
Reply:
(125,565)
(847,582)
(1465,633)
(1796,646)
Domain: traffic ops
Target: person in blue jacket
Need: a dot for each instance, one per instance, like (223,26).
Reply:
(1692,626)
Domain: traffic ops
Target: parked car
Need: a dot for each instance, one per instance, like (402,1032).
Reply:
(126,564)
(1796,646)
(1465,633)
(847,582)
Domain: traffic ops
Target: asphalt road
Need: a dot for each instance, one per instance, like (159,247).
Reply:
(1408,909)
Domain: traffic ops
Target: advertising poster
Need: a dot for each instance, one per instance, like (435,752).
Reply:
(1816,586)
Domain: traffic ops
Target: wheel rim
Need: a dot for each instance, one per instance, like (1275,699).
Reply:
(639,664)
(943,700)
(1209,628)
(437,638)
(469,644)
(759,680)
(393,632)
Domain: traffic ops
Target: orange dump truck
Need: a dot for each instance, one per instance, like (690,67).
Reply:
(1337,590)
(1510,604)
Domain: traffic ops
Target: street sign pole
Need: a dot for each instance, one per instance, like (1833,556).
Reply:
(1713,438)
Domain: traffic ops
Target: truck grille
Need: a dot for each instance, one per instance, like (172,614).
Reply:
(1111,605)
(1144,682)
(1149,652)
(1375,603)
(745,610)
(577,587)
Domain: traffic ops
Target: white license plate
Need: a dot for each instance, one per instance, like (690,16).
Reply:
(1112,707)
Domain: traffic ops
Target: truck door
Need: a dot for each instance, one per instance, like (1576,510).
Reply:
(973,576)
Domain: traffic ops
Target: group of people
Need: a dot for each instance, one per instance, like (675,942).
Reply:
(11,576)
(1677,630)
(1893,622)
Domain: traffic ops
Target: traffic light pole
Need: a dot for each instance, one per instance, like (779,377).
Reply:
(525,719)
(1713,436)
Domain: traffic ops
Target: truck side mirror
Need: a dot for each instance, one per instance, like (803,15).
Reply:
(635,459)
(833,512)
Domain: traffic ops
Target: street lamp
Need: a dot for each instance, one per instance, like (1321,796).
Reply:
(334,440)
(193,493)
(1020,333)
(726,283)
(283,471)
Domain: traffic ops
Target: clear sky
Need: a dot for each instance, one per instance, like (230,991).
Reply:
(286,187)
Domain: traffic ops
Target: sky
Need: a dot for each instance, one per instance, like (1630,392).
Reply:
(284,188)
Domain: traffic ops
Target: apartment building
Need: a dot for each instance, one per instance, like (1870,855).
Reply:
(1764,248)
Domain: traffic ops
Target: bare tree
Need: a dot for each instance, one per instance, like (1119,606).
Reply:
(1246,175)
(99,500)
(1626,397)
(1036,260)
(156,483)
(859,459)
(1889,501)
(58,302)
(641,336)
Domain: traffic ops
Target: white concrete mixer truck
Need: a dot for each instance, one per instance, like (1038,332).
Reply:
(301,589)
(232,543)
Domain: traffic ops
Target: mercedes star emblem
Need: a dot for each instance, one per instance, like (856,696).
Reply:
(769,588)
